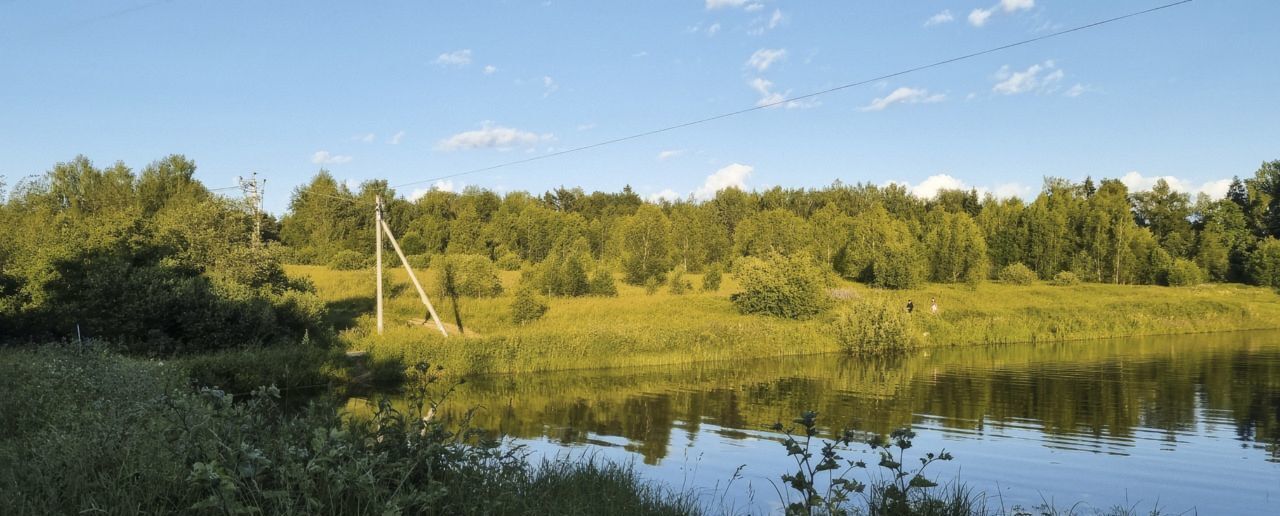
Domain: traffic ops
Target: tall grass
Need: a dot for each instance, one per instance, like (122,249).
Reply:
(636,328)
(86,431)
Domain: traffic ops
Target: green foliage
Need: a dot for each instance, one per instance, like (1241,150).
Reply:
(157,447)
(874,326)
(602,283)
(780,286)
(347,260)
(711,278)
(677,283)
(1184,273)
(898,266)
(528,306)
(565,271)
(509,262)
(646,245)
(651,286)
(898,490)
(957,251)
(1065,279)
(1264,264)
(772,231)
(1017,274)
(473,275)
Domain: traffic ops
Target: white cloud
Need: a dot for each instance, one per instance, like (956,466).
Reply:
(490,69)
(753,7)
(940,18)
(396,138)
(367,138)
(492,137)
(762,59)
(455,58)
(775,19)
(713,29)
(1013,83)
(587,126)
(1017,5)
(549,86)
(642,53)
(734,175)
(979,17)
(666,194)
(771,98)
(904,95)
(1077,90)
(668,154)
(443,185)
(325,158)
(720,4)
(931,185)
(1138,182)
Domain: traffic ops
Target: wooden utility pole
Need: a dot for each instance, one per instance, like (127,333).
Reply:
(252,189)
(377,231)
(421,293)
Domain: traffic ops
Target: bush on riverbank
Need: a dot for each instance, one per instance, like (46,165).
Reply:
(790,287)
(153,446)
(874,326)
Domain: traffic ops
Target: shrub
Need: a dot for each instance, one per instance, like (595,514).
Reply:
(602,283)
(528,306)
(1017,274)
(348,260)
(677,283)
(788,287)
(874,326)
(900,266)
(651,285)
(1264,264)
(1184,273)
(711,279)
(509,262)
(476,276)
(419,261)
(1066,279)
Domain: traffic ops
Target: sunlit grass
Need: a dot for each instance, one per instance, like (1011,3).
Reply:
(636,328)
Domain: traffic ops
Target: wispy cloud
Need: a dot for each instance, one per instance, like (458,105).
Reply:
(549,86)
(668,154)
(326,158)
(940,18)
(665,195)
(904,95)
(492,137)
(721,4)
(930,186)
(980,16)
(455,58)
(762,59)
(490,69)
(1040,77)
(396,138)
(772,98)
(367,138)
(713,29)
(443,185)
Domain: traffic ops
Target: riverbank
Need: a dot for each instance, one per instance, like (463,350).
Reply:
(640,329)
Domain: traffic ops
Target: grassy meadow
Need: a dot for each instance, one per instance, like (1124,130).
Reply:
(636,328)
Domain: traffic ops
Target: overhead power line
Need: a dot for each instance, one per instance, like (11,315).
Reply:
(799,97)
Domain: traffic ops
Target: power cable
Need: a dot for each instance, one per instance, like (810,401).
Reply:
(799,97)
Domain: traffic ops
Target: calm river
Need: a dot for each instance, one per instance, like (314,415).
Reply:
(1186,423)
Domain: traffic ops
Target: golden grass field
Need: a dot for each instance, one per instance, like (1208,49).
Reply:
(636,329)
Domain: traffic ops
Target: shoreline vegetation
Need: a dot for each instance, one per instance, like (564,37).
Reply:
(185,296)
(640,329)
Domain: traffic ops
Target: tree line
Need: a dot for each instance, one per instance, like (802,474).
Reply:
(881,235)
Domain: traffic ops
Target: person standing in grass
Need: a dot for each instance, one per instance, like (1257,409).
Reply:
(933,305)
(910,306)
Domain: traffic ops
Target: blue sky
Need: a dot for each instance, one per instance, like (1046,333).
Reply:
(410,91)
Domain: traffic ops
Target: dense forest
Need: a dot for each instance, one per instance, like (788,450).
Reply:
(156,259)
(1097,231)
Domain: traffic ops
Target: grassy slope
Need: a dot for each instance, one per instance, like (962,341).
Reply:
(638,329)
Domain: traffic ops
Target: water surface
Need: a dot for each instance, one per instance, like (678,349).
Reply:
(1188,422)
